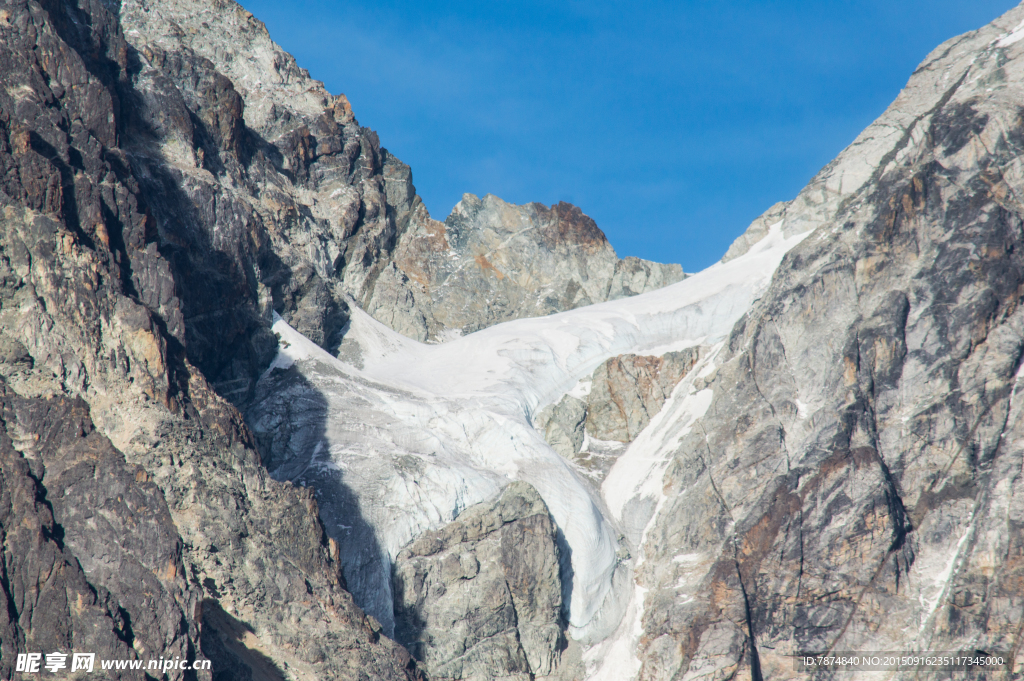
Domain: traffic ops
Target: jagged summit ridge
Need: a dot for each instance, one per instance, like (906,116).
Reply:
(971,63)
(340,213)
(491,261)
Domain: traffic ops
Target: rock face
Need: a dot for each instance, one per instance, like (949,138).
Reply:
(628,390)
(491,261)
(265,193)
(855,481)
(482,597)
(138,518)
(564,425)
(623,394)
(91,558)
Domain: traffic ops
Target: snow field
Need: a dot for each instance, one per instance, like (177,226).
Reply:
(423,431)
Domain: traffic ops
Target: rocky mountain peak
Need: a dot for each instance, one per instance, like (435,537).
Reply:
(569,225)
(492,261)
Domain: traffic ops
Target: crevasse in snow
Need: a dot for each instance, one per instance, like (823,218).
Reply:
(411,434)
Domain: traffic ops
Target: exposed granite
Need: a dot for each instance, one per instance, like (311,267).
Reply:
(627,391)
(112,519)
(159,532)
(564,425)
(492,261)
(481,598)
(91,559)
(623,395)
(855,483)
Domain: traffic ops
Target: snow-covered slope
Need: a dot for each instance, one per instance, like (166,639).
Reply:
(403,435)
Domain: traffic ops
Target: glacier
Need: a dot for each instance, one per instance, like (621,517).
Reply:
(397,437)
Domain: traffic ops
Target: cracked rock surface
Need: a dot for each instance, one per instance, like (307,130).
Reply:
(481,598)
(491,262)
(138,519)
(855,483)
(627,391)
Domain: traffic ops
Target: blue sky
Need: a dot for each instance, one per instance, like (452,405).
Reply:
(672,124)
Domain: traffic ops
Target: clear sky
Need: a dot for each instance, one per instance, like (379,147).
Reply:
(672,124)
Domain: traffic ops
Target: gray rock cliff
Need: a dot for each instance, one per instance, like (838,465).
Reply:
(92,561)
(855,484)
(491,261)
(139,520)
(628,390)
(623,395)
(482,597)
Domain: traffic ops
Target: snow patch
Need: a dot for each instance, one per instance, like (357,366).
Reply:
(1016,35)
(582,389)
(931,596)
(639,471)
(615,659)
